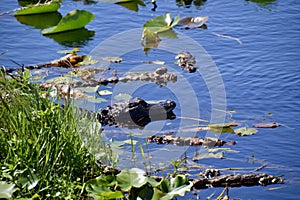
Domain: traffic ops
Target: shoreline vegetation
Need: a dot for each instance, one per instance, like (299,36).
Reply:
(42,152)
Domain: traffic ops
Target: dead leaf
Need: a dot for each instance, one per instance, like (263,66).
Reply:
(193,22)
(266,125)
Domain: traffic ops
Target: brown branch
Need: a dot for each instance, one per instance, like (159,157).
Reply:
(238,180)
(68,61)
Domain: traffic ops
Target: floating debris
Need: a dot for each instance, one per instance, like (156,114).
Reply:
(186,61)
(193,22)
(189,141)
(266,125)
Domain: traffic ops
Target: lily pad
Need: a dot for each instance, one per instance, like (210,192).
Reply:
(75,19)
(73,38)
(131,4)
(99,188)
(129,178)
(87,60)
(40,21)
(175,186)
(161,23)
(245,131)
(48,7)
(150,39)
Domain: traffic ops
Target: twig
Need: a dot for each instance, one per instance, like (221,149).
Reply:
(3,52)
(228,37)
(10,11)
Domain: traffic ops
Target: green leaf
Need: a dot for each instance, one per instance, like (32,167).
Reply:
(75,19)
(175,186)
(150,39)
(244,131)
(87,60)
(129,178)
(153,182)
(6,190)
(99,188)
(161,23)
(40,21)
(131,4)
(48,7)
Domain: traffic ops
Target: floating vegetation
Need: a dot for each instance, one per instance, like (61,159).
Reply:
(186,61)
(47,7)
(245,131)
(189,141)
(73,20)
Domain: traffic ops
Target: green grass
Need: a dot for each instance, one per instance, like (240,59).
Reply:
(42,148)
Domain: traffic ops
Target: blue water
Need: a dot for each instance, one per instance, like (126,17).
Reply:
(260,76)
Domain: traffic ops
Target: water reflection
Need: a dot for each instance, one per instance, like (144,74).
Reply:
(40,21)
(76,38)
(86,2)
(132,5)
(188,3)
(263,3)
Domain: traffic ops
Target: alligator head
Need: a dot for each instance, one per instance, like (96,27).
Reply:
(136,113)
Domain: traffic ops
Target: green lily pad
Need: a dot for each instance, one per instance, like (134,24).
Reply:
(245,131)
(175,186)
(99,188)
(40,21)
(129,178)
(150,39)
(75,19)
(48,7)
(131,4)
(161,23)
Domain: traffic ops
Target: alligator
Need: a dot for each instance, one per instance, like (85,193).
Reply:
(136,113)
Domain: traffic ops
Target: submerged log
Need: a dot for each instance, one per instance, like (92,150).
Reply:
(237,180)
(190,141)
(160,76)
